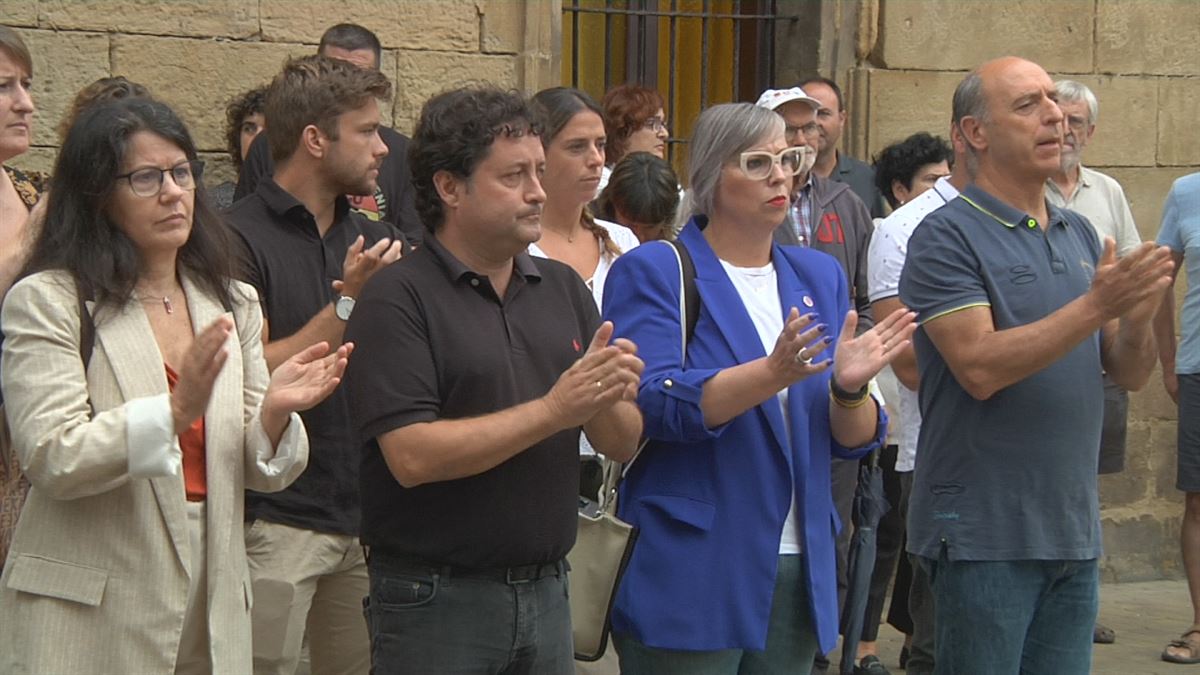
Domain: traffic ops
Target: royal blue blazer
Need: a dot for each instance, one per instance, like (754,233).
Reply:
(710,502)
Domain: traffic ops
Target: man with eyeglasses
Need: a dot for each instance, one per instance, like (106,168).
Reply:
(826,215)
(1101,200)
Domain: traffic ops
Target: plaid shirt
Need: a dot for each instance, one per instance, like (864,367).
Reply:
(802,213)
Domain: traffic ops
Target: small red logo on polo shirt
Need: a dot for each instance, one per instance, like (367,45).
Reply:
(575,343)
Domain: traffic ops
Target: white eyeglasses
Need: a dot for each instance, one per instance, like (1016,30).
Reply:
(758,164)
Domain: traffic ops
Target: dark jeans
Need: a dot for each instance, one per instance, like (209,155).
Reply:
(920,602)
(1032,617)
(427,620)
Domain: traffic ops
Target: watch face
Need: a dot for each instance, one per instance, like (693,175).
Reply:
(343,308)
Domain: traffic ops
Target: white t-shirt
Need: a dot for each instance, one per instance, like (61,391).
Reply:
(625,239)
(759,291)
(885,262)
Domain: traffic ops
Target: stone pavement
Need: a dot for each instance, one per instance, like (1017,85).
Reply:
(1145,616)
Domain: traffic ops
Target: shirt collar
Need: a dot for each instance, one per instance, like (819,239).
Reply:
(456,270)
(1004,214)
(945,189)
(283,204)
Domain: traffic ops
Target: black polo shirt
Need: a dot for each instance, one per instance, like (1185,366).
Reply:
(434,341)
(293,268)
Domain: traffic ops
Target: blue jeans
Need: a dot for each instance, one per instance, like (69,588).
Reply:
(426,620)
(1032,617)
(791,639)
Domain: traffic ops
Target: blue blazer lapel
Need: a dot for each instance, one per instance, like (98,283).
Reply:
(793,292)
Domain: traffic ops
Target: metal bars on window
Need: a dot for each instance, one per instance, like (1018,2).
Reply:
(694,52)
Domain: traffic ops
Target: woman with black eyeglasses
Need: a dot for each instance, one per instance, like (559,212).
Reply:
(140,408)
(733,571)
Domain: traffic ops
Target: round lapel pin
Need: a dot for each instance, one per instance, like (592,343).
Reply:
(808,302)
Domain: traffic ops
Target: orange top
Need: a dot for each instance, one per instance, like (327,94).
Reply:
(192,443)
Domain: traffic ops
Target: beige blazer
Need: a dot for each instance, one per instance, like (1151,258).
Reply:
(97,578)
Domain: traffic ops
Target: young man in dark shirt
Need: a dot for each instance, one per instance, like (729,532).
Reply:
(392,198)
(478,366)
(303,246)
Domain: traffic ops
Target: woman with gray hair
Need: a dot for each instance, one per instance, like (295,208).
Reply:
(733,571)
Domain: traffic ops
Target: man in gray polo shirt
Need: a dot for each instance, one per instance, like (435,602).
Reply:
(1021,308)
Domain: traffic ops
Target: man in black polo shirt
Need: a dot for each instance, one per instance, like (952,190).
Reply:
(392,198)
(477,367)
(301,237)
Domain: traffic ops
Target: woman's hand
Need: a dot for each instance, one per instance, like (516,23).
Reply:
(796,349)
(857,359)
(201,365)
(304,380)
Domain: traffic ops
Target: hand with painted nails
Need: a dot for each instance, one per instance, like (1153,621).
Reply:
(798,349)
(857,359)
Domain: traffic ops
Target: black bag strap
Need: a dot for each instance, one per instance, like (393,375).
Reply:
(691,296)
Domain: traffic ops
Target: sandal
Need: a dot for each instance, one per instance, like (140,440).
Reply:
(1191,645)
(1103,635)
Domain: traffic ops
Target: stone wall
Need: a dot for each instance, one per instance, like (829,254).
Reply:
(197,54)
(1142,58)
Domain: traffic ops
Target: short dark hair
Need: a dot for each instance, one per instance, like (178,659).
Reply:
(78,235)
(351,36)
(645,188)
(455,133)
(901,161)
(626,109)
(102,90)
(316,90)
(240,107)
(837,91)
(12,44)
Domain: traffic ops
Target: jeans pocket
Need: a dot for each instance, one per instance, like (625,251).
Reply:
(403,591)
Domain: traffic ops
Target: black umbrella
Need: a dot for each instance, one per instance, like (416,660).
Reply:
(869,507)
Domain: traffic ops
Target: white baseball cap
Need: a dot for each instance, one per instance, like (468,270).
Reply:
(773,98)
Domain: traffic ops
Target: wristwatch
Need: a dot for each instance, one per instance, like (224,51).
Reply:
(343,307)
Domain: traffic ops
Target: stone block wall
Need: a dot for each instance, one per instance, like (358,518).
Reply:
(198,54)
(1142,59)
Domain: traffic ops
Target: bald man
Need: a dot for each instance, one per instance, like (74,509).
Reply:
(1022,308)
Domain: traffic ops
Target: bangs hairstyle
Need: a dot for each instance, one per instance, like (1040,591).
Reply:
(12,45)
(79,237)
(455,133)
(316,90)
(626,109)
(722,133)
(241,107)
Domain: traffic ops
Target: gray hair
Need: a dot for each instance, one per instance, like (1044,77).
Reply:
(722,133)
(1070,91)
(969,101)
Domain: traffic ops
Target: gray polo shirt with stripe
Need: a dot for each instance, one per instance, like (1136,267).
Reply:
(1012,477)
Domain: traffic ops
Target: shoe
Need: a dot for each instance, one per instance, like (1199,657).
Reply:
(1188,641)
(871,665)
(903,657)
(820,665)
(1103,635)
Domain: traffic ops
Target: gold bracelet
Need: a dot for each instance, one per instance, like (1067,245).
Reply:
(844,403)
